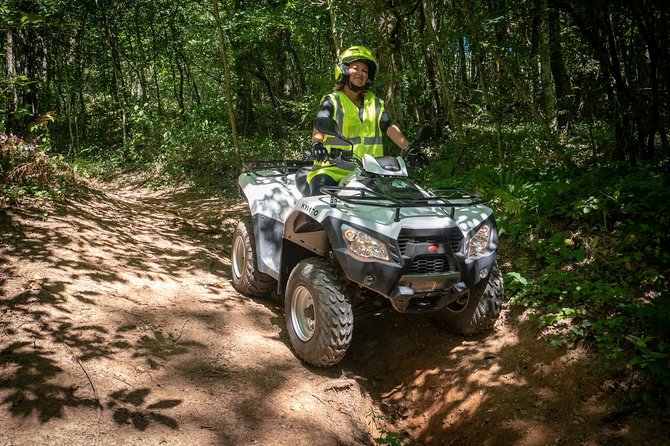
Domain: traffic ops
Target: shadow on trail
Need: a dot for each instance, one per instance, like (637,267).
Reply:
(32,373)
(28,387)
(440,388)
(44,353)
(128,408)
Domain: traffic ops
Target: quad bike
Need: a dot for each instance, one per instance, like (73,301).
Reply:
(376,240)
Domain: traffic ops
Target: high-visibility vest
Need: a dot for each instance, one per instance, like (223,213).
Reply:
(363,131)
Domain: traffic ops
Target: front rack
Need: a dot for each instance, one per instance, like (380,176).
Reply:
(450,198)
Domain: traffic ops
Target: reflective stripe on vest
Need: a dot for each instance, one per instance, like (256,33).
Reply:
(365,134)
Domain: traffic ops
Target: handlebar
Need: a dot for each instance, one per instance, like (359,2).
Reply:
(345,155)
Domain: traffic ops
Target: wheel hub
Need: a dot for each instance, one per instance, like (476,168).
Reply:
(302,313)
(239,255)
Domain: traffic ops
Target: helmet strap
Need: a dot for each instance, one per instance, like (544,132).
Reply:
(356,88)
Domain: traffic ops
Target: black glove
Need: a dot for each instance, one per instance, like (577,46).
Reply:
(319,152)
(415,158)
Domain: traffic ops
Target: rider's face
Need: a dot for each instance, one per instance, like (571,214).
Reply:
(358,73)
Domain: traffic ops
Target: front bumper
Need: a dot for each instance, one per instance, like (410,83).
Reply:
(428,292)
(417,280)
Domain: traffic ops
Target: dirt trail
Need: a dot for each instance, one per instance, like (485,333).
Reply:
(119,326)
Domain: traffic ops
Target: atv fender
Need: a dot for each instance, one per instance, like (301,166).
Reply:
(303,237)
(269,202)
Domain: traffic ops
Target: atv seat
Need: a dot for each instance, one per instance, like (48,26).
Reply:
(301,180)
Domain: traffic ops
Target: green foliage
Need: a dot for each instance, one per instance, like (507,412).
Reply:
(196,149)
(390,438)
(600,242)
(8,87)
(591,250)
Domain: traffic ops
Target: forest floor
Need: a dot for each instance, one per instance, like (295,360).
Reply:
(119,326)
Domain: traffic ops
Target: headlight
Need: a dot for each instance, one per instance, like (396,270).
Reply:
(479,243)
(364,245)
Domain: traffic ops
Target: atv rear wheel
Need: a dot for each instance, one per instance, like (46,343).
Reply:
(247,279)
(319,319)
(477,311)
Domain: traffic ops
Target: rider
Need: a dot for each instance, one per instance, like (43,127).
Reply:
(359,114)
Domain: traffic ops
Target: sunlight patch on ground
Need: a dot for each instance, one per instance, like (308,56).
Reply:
(532,433)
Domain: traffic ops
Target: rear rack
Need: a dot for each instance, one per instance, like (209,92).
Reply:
(447,198)
(274,168)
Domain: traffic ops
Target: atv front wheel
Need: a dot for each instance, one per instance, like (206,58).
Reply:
(319,319)
(478,310)
(247,279)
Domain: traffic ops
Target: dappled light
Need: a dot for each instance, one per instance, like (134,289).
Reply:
(131,408)
(27,387)
(119,325)
(501,387)
(154,231)
(117,316)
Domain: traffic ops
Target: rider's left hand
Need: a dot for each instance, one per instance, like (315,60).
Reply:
(415,158)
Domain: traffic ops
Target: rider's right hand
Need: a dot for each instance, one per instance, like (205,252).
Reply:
(319,152)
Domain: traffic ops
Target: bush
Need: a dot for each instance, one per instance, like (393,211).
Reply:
(592,254)
(27,169)
(599,242)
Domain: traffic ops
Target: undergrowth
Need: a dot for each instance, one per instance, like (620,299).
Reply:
(31,170)
(598,261)
(197,149)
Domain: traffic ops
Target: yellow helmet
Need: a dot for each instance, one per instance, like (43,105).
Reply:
(351,55)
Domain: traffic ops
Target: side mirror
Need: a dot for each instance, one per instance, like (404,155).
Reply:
(328,126)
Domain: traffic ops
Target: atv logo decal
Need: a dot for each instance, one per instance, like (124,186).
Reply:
(309,210)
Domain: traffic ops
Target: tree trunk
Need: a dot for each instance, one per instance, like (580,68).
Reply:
(81,117)
(159,102)
(227,84)
(11,77)
(180,88)
(337,37)
(463,65)
(297,65)
(644,18)
(141,65)
(665,75)
(430,74)
(391,24)
(246,117)
(548,98)
(435,47)
(117,74)
(558,71)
